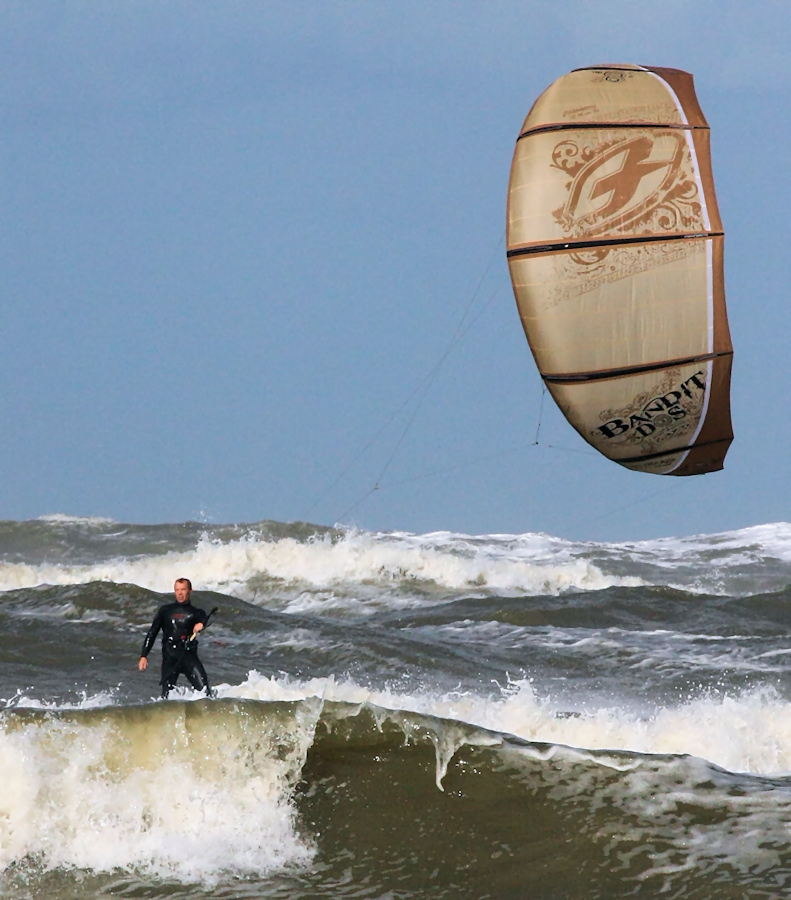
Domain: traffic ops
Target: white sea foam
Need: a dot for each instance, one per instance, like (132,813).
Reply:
(359,571)
(748,733)
(526,564)
(530,564)
(769,540)
(691,815)
(712,562)
(192,791)
(87,701)
(184,796)
(63,519)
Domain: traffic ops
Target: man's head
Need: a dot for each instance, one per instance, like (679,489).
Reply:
(182,589)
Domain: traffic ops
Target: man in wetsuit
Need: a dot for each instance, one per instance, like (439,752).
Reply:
(180,622)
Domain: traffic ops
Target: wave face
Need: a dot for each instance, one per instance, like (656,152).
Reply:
(400,715)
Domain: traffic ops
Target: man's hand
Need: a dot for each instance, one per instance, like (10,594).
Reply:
(142,664)
(198,627)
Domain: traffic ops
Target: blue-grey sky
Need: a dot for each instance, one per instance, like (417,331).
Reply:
(242,245)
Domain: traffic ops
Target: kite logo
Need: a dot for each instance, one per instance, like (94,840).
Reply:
(656,415)
(641,184)
(621,186)
(610,75)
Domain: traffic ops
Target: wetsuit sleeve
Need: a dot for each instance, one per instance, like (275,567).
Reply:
(153,631)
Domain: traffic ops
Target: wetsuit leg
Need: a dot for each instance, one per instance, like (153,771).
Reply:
(192,667)
(170,671)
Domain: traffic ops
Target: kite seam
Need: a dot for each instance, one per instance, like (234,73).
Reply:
(610,241)
(579,377)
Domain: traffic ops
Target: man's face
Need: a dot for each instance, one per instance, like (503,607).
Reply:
(182,591)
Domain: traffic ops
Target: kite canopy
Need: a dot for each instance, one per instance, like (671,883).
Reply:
(615,247)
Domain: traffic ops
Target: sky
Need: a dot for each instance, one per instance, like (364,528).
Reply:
(253,263)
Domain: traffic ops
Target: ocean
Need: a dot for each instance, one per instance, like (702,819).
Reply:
(397,715)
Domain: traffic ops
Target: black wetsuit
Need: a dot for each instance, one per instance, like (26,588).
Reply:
(179,653)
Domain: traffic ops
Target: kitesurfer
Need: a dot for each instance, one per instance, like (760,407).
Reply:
(180,622)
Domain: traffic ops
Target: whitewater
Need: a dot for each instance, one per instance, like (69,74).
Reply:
(397,714)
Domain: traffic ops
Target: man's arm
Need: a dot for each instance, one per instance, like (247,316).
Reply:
(148,643)
(200,616)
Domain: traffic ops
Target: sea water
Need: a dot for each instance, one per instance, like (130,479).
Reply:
(397,715)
